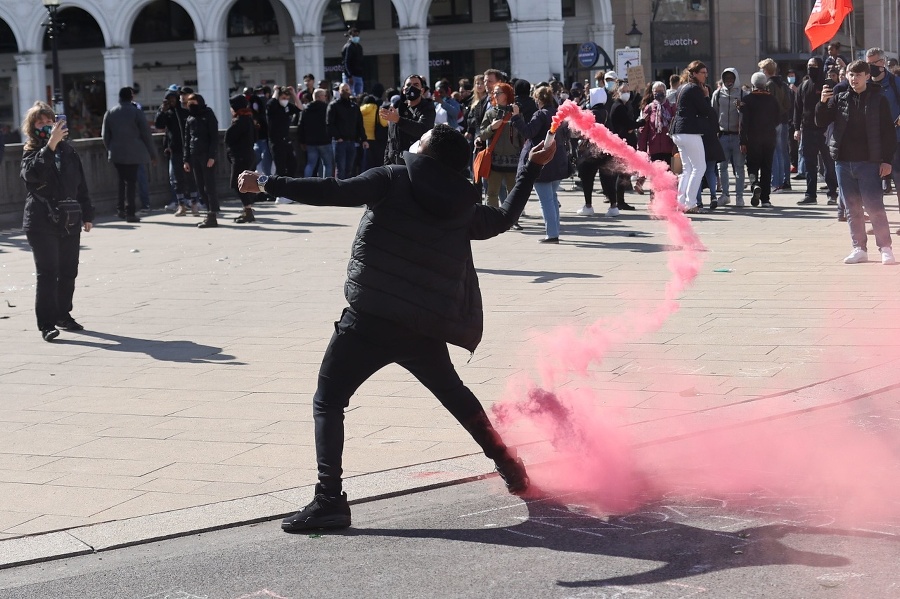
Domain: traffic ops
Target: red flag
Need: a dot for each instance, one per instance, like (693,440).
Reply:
(826,19)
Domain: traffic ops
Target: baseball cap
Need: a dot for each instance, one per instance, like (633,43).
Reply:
(611,75)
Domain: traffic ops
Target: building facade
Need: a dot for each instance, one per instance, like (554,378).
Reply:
(217,46)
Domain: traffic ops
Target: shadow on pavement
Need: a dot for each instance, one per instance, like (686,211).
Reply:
(165,351)
(540,276)
(683,550)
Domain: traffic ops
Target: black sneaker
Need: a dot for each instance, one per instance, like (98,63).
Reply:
(757,192)
(713,204)
(49,334)
(132,218)
(512,470)
(322,512)
(807,201)
(624,206)
(69,324)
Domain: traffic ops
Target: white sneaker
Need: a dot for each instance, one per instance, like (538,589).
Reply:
(739,202)
(612,212)
(887,256)
(585,211)
(281,200)
(857,256)
(724,200)
(172,207)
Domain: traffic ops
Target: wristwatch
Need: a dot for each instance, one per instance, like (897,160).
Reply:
(263,179)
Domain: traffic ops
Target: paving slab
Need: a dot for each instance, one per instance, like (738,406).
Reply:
(191,387)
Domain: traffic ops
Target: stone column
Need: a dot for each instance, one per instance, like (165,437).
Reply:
(31,73)
(118,67)
(413,53)
(536,48)
(213,77)
(309,56)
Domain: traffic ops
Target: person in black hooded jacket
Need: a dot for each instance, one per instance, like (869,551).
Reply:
(53,175)
(239,140)
(201,144)
(412,289)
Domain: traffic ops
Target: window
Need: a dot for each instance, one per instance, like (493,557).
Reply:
(162,21)
(252,17)
(7,39)
(334,18)
(80,31)
(447,12)
(500,9)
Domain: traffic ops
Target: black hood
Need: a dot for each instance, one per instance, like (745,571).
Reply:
(438,189)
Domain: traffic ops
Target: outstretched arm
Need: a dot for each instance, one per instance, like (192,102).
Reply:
(368,188)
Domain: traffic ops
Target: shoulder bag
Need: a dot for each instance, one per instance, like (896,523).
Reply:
(481,166)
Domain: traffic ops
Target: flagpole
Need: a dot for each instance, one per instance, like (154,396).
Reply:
(850,19)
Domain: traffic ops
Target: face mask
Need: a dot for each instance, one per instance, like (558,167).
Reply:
(413,93)
(194,108)
(660,96)
(813,72)
(44,132)
(792,80)
(610,86)
(875,71)
(283,103)
(625,96)
(355,39)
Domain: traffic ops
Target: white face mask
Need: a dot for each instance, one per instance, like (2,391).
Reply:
(284,103)
(625,96)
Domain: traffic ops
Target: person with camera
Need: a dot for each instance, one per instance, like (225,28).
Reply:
(862,146)
(508,143)
(57,209)
(813,136)
(408,119)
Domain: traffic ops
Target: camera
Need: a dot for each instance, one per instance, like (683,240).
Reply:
(504,110)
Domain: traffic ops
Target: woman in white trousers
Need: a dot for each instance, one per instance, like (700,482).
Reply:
(692,108)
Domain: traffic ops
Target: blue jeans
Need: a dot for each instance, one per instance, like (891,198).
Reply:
(813,148)
(546,193)
(861,187)
(263,156)
(314,154)
(356,88)
(344,157)
(733,157)
(781,160)
(143,187)
(711,180)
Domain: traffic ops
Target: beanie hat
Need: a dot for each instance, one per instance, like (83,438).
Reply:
(238,102)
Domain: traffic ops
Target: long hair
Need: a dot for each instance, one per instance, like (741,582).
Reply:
(32,141)
(647,98)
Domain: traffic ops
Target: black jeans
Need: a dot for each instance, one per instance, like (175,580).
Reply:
(56,264)
(814,146)
(283,154)
(760,157)
(587,173)
(127,186)
(205,177)
(361,346)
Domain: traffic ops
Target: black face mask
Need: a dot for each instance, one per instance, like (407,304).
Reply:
(195,109)
(875,71)
(814,73)
(413,93)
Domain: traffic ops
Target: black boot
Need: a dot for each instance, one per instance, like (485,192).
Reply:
(208,222)
(510,468)
(246,216)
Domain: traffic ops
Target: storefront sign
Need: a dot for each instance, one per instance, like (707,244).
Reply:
(681,42)
(588,54)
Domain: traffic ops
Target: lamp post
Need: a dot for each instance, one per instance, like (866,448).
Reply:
(634,36)
(53,29)
(237,72)
(350,11)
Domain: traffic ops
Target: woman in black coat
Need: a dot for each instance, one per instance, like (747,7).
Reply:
(239,140)
(201,143)
(57,207)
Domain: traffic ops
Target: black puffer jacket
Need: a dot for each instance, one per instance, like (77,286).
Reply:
(44,180)
(345,120)
(173,120)
(313,128)
(201,135)
(692,110)
(239,139)
(411,261)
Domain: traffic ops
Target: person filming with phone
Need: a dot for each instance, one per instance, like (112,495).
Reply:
(813,144)
(57,209)
(862,146)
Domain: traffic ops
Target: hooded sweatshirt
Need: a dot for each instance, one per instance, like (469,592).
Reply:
(724,103)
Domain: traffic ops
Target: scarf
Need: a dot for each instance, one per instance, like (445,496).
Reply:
(660,117)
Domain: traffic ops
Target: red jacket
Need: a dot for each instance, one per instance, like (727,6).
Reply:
(654,135)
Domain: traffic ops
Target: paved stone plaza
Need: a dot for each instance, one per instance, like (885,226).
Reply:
(192,384)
